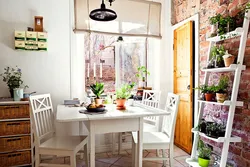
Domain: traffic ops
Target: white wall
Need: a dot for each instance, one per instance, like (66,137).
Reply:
(44,72)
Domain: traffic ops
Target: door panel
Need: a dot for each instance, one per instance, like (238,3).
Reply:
(183,78)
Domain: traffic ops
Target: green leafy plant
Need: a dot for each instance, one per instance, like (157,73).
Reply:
(97,89)
(222,85)
(124,92)
(13,77)
(142,72)
(211,89)
(217,53)
(204,150)
(202,88)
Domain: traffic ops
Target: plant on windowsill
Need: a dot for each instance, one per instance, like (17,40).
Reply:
(221,89)
(142,72)
(13,78)
(122,94)
(97,89)
(204,154)
(217,53)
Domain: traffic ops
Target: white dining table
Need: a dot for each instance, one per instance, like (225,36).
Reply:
(112,121)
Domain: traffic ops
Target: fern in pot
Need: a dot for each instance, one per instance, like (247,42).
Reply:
(97,89)
(122,94)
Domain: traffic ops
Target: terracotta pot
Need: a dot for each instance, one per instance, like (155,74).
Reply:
(98,101)
(209,96)
(228,61)
(120,104)
(221,97)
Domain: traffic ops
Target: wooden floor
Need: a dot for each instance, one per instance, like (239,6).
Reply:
(124,159)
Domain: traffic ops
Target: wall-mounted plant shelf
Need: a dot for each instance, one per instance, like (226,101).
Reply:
(225,103)
(237,32)
(31,41)
(219,139)
(232,67)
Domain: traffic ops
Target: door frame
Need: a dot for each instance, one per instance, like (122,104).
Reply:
(196,65)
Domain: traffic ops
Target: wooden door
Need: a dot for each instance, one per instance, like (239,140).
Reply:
(183,78)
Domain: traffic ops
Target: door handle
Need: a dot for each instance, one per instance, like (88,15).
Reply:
(188,87)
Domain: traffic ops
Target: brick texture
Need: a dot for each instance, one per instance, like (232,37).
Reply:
(239,153)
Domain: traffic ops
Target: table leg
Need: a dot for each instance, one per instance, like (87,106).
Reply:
(140,143)
(92,145)
(80,131)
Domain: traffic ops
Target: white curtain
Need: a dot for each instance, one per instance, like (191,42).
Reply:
(134,18)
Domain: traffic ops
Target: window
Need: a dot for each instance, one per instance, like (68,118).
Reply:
(111,62)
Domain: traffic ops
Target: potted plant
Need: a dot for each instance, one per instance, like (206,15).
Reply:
(202,126)
(228,59)
(141,74)
(217,53)
(13,78)
(203,89)
(221,89)
(215,130)
(122,94)
(210,93)
(97,89)
(221,25)
(204,154)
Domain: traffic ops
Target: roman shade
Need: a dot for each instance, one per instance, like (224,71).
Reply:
(134,18)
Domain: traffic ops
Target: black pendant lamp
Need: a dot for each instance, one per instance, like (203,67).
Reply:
(103,14)
(120,39)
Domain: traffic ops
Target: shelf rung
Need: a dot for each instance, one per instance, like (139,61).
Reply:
(225,103)
(218,140)
(237,32)
(232,67)
(192,162)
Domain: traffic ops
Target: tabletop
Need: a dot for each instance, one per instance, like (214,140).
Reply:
(70,114)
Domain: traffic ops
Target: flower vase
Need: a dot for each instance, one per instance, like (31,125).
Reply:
(11,93)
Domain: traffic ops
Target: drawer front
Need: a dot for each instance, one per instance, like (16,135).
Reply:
(14,128)
(14,111)
(15,158)
(14,143)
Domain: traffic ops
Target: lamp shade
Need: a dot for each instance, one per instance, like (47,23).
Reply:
(103,14)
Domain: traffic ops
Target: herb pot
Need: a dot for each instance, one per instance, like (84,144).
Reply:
(209,96)
(221,133)
(221,97)
(98,101)
(229,60)
(203,162)
(120,104)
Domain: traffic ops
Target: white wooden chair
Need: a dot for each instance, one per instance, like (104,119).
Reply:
(151,124)
(151,98)
(163,139)
(46,143)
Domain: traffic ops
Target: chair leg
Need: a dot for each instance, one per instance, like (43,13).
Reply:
(37,159)
(73,160)
(86,155)
(164,156)
(171,155)
(120,143)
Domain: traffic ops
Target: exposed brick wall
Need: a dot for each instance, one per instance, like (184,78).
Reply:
(239,153)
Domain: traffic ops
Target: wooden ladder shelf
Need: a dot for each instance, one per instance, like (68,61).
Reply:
(232,103)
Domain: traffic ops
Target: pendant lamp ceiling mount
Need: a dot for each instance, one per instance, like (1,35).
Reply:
(103,14)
